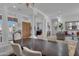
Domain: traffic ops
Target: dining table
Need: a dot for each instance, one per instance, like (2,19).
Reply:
(48,48)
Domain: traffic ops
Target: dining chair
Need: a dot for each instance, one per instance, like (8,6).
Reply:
(17,49)
(60,35)
(29,52)
(25,51)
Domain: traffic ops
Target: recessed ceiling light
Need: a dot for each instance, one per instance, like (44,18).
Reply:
(14,6)
(59,11)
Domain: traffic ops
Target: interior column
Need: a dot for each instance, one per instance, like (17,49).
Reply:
(5,29)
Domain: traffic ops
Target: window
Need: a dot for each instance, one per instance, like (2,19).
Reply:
(72,25)
(12,23)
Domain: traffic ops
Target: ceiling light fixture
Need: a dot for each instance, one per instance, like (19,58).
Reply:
(30,4)
(14,6)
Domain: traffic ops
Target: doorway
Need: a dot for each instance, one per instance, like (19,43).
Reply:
(26,29)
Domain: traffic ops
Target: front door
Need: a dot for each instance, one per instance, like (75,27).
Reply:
(26,29)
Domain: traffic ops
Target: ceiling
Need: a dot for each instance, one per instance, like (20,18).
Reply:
(56,9)
(19,8)
(50,9)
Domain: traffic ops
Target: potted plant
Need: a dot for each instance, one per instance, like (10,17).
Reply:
(61,26)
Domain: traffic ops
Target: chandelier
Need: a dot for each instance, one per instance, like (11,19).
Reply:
(30,4)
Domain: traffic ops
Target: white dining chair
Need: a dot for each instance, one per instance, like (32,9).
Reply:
(25,51)
(16,49)
(29,52)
